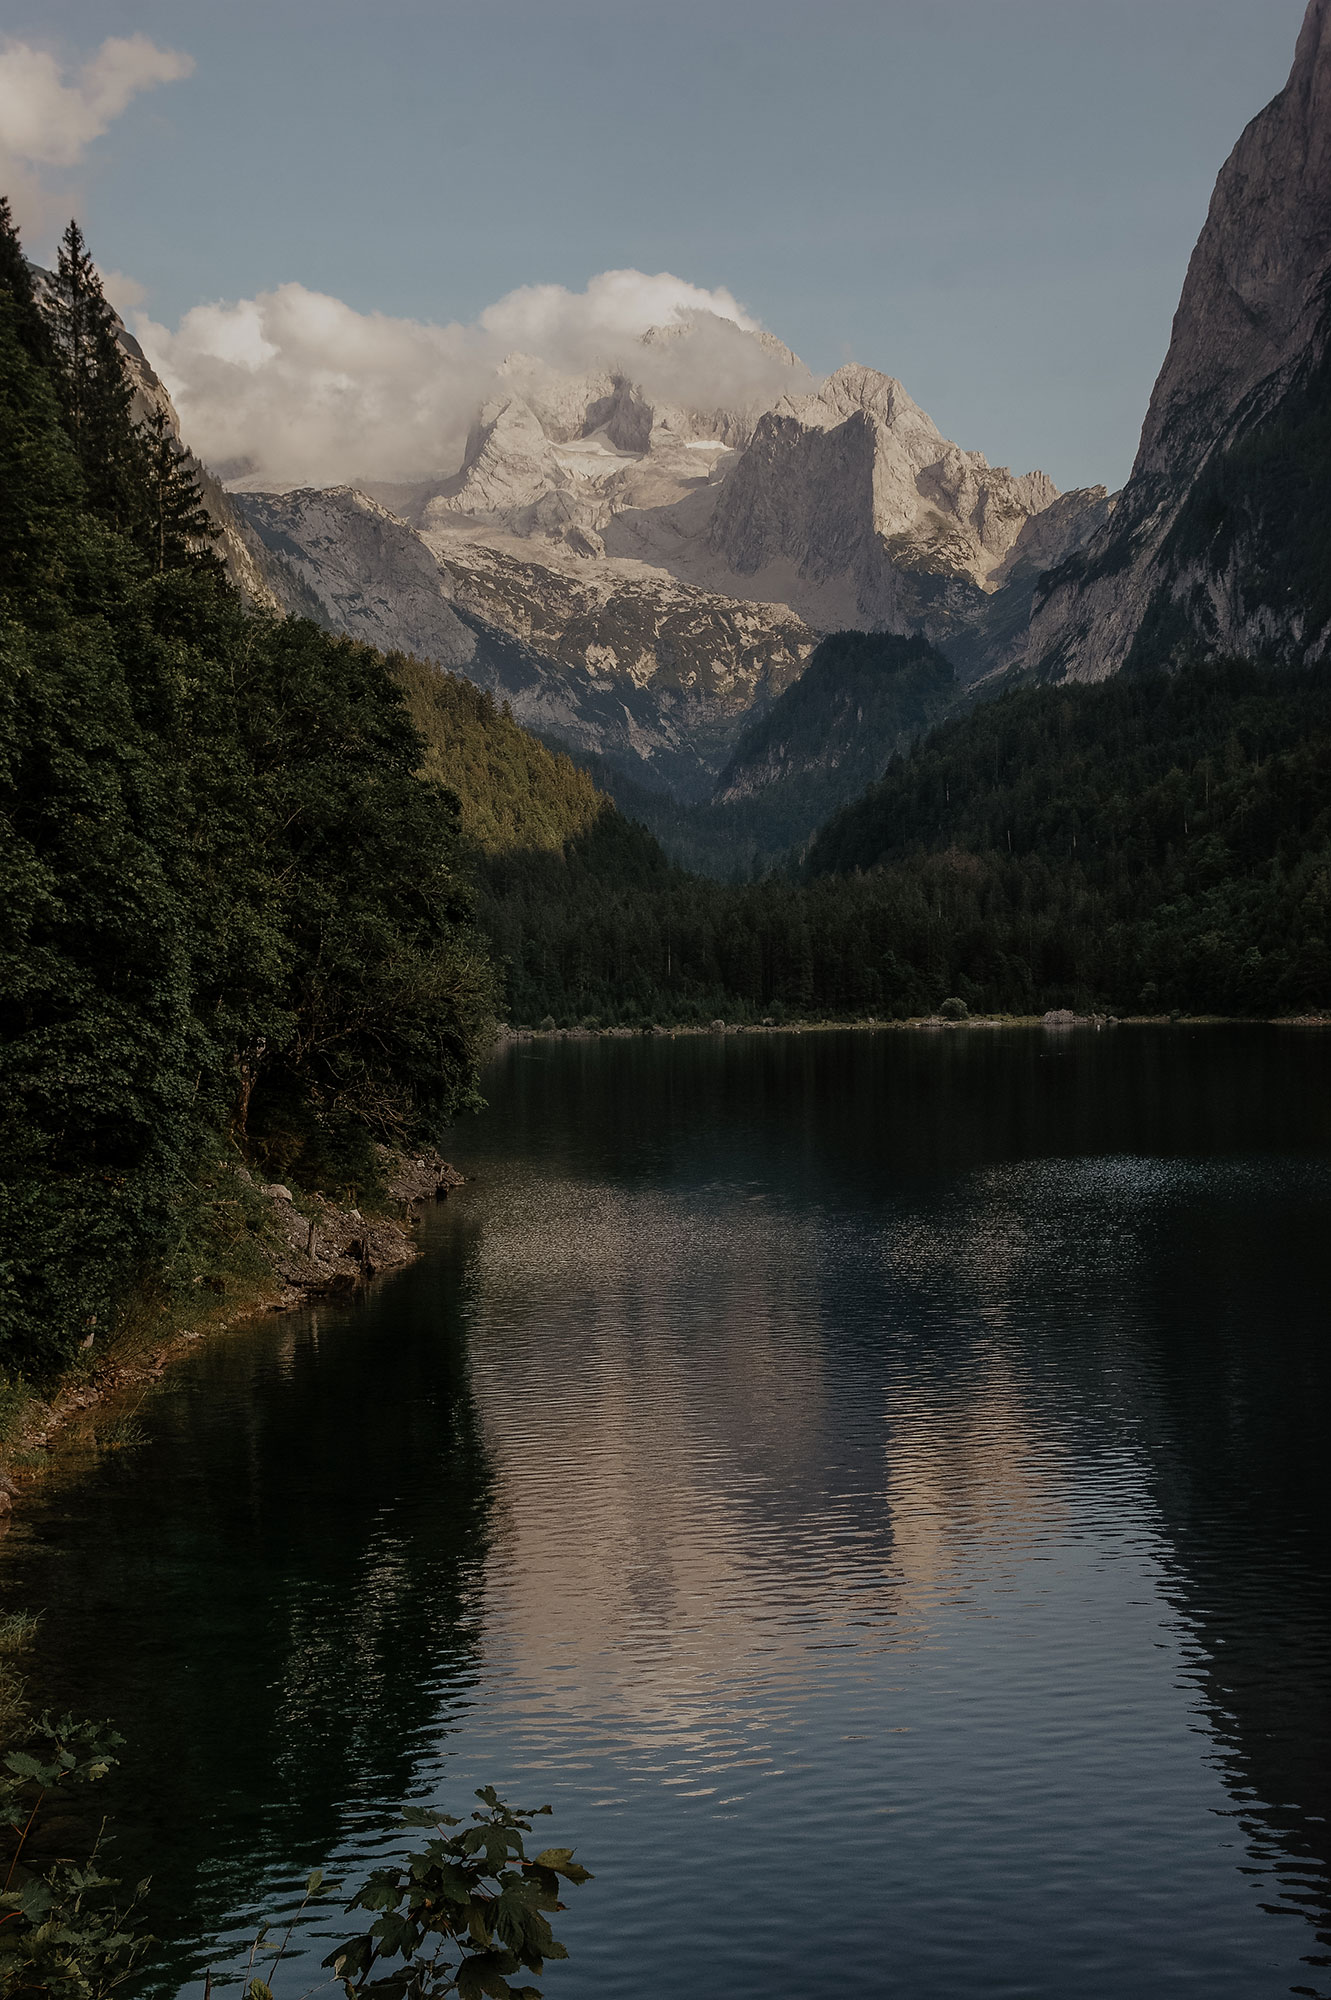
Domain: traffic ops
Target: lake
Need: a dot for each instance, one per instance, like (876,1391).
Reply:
(873,1485)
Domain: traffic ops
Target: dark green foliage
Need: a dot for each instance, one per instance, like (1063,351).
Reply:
(513,791)
(1175,832)
(227,901)
(45,544)
(95,393)
(462,1914)
(1148,844)
(16,282)
(177,527)
(459,1915)
(64,1934)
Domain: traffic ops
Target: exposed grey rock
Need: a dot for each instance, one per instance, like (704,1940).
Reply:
(370,573)
(1192,557)
(614,659)
(663,568)
(856,482)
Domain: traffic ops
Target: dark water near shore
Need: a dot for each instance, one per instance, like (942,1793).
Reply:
(873,1486)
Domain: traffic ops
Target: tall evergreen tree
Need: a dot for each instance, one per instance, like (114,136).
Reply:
(16,278)
(96,393)
(179,531)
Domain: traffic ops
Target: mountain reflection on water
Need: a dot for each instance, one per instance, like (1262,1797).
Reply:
(871,1484)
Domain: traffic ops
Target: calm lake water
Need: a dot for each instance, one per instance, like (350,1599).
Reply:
(873,1486)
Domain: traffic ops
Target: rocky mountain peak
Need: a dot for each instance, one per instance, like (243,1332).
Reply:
(856,482)
(855,390)
(1205,552)
(1254,300)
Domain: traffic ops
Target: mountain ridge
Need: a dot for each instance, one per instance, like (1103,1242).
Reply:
(670,566)
(1192,560)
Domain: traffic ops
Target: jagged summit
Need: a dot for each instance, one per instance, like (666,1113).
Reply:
(665,535)
(856,485)
(674,530)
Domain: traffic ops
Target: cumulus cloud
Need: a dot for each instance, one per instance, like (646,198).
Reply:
(48,120)
(294,388)
(617,307)
(123,291)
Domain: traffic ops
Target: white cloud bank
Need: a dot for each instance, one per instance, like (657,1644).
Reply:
(47,121)
(294,388)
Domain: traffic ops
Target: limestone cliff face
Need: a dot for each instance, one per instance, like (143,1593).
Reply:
(370,575)
(857,483)
(642,561)
(1219,540)
(655,675)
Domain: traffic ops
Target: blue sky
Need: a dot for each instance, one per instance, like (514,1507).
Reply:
(992,199)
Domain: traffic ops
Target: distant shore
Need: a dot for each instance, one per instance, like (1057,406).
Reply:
(1055,1021)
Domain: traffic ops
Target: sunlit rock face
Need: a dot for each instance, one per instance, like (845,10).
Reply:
(856,486)
(662,557)
(650,673)
(1218,542)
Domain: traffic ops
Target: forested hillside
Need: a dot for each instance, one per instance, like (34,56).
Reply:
(231,913)
(863,697)
(513,791)
(1152,843)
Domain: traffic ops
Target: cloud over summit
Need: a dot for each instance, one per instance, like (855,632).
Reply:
(294,388)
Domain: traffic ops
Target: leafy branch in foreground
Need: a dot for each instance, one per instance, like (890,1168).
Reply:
(473,1893)
(63,1934)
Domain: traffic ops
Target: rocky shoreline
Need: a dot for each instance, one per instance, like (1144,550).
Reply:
(314,1247)
(324,1247)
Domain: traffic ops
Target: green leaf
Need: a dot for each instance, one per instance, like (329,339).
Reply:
(483,1974)
(382,1892)
(560,1859)
(396,1934)
(24,1766)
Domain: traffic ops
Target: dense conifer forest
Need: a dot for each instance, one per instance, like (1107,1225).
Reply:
(1157,842)
(230,911)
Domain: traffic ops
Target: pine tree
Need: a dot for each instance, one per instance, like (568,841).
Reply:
(96,392)
(179,529)
(16,277)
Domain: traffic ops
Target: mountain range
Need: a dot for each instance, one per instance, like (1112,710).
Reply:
(644,572)
(641,579)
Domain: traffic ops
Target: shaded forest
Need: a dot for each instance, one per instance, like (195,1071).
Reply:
(1157,842)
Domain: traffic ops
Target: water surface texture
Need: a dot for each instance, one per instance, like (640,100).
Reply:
(872,1485)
